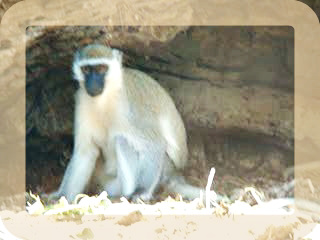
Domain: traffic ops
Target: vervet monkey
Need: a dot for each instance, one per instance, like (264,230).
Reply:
(128,117)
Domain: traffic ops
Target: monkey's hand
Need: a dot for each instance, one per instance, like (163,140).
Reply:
(54,196)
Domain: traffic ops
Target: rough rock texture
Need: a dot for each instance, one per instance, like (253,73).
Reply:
(234,87)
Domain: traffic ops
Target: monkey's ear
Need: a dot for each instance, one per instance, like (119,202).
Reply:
(77,73)
(77,55)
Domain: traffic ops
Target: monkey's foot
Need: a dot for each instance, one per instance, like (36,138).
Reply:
(145,197)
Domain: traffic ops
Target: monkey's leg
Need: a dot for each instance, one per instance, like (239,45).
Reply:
(127,158)
(152,160)
(114,188)
(79,170)
(175,135)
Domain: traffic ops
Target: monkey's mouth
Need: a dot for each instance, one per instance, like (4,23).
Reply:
(94,84)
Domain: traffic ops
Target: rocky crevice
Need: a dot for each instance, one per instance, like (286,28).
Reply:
(233,86)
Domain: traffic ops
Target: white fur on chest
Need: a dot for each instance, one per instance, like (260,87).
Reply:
(95,117)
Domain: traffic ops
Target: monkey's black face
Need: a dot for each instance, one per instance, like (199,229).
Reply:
(94,78)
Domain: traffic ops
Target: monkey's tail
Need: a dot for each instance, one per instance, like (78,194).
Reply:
(177,184)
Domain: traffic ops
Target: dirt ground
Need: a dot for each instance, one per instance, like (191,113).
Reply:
(138,226)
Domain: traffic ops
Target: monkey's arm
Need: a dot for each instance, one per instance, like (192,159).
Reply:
(79,169)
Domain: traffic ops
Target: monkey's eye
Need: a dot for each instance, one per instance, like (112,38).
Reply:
(85,69)
(101,68)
